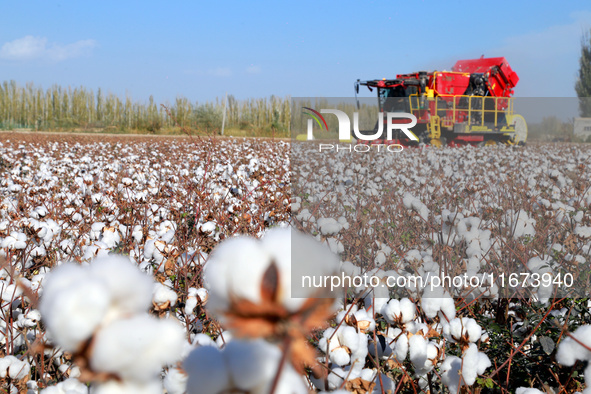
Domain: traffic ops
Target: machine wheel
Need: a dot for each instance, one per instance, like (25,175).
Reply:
(520,128)
(438,142)
(487,143)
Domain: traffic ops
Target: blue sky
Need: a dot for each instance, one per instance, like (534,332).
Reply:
(201,50)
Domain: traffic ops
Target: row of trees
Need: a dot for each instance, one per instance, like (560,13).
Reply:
(583,82)
(80,108)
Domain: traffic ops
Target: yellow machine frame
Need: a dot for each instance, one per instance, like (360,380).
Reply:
(475,111)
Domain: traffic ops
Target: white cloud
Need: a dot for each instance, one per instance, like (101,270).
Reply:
(253,69)
(32,48)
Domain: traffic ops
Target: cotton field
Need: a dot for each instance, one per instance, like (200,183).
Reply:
(173,265)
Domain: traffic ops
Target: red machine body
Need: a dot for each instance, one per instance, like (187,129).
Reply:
(469,104)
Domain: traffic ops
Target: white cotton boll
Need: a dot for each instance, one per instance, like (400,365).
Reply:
(350,269)
(9,292)
(235,268)
(396,311)
(95,230)
(569,351)
(74,386)
(128,387)
(208,227)
(38,251)
(364,321)
(298,255)
(473,330)
(96,250)
(582,231)
(191,303)
(528,390)
(335,245)
(348,336)
(110,237)
(521,223)
(384,384)
(130,289)
(245,365)
(410,202)
(474,364)
(450,373)
(16,240)
(67,245)
(448,307)
(68,386)
(137,233)
(464,327)
(368,374)
(163,295)
(207,372)
(202,294)
(195,297)
(168,236)
(329,226)
(223,339)
(380,259)
(253,366)
(73,304)
(203,340)
(138,347)
(436,300)
(334,344)
(149,249)
(340,356)
(343,221)
(401,347)
(306,216)
(30,319)
(422,352)
(418,351)
(14,368)
(175,381)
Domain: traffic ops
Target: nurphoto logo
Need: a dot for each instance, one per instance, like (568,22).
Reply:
(344,129)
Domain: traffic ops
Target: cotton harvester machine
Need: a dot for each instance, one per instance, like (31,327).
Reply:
(471,104)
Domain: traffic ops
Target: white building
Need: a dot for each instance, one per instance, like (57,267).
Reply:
(582,128)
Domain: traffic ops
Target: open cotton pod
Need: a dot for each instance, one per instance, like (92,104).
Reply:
(250,288)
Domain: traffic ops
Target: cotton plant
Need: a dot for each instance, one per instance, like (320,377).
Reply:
(464,331)
(250,288)
(164,297)
(195,297)
(68,386)
(436,301)
(53,193)
(14,368)
(98,313)
(399,312)
(577,346)
(457,372)
(247,365)
(345,345)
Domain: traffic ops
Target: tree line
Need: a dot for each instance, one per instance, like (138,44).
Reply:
(60,108)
